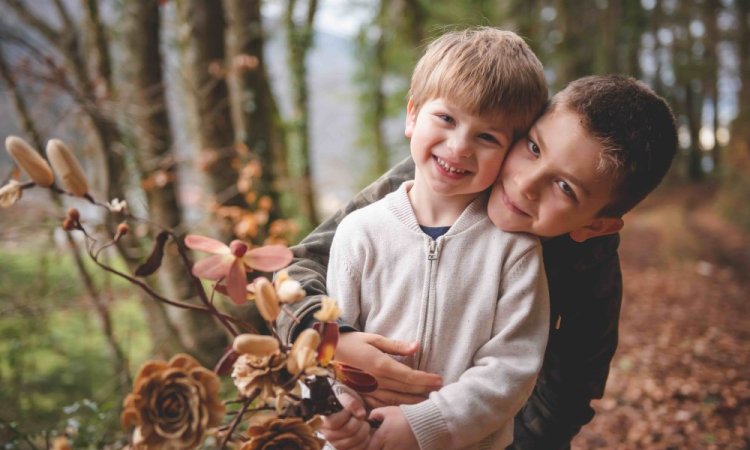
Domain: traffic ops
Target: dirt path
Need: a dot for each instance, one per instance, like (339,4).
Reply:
(681,375)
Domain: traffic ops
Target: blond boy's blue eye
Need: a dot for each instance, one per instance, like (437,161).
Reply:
(488,137)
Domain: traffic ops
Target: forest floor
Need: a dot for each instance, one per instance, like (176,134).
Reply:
(681,376)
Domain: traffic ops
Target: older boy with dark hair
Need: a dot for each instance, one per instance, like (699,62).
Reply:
(602,145)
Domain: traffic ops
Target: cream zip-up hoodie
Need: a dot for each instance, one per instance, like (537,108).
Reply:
(476,299)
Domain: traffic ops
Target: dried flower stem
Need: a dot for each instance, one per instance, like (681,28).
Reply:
(238,418)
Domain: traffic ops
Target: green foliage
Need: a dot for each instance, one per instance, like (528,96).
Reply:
(56,372)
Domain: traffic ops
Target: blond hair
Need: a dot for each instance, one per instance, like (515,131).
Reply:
(483,70)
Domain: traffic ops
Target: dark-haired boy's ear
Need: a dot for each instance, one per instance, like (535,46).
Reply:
(599,227)
(411,118)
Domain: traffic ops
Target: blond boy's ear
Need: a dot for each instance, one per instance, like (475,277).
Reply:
(411,118)
(599,227)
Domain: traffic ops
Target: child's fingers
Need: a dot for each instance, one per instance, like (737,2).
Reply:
(336,420)
(355,441)
(352,404)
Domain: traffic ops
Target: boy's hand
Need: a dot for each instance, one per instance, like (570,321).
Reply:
(394,433)
(397,383)
(347,429)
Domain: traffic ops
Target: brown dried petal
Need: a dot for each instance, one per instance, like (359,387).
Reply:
(266,299)
(30,161)
(255,344)
(67,167)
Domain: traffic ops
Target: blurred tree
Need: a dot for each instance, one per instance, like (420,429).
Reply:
(257,122)
(712,43)
(371,43)
(688,68)
(299,41)
(207,81)
(93,292)
(157,168)
(736,183)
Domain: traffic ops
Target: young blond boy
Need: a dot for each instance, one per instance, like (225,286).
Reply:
(412,266)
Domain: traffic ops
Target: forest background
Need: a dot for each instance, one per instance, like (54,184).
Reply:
(257,119)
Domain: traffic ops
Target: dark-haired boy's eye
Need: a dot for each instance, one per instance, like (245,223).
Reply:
(533,148)
(566,189)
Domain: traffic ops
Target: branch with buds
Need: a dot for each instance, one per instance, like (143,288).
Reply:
(177,403)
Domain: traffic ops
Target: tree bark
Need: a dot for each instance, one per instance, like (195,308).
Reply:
(299,41)
(157,167)
(257,121)
(205,26)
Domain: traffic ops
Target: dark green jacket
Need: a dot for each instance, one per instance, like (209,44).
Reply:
(585,295)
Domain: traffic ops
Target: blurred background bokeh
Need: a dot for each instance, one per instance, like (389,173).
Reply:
(258,119)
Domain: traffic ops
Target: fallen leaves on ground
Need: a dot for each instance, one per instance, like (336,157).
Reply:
(681,376)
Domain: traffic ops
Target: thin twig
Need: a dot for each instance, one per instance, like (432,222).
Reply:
(236,420)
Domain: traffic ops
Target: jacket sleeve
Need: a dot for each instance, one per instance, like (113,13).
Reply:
(310,262)
(486,397)
(576,364)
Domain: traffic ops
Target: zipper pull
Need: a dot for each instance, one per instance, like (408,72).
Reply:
(432,255)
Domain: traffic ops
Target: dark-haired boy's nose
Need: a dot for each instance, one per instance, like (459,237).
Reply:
(527,185)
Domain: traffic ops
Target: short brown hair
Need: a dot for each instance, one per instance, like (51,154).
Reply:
(635,128)
(484,70)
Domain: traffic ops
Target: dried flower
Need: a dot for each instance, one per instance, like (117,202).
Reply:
(173,404)
(30,161)
(287,289)
(259,373)
(118,206)
(284,433)
(329,310)
(10,193)
(230,262)
(255,344)
(67,167)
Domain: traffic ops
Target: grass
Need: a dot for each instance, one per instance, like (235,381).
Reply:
(56,368)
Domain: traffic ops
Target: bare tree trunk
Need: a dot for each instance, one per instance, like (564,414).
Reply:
(257,120)
(207,78)
(158,170)
(711,80)
(299,41)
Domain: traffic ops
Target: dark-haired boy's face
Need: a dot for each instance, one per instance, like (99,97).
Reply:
(550,183)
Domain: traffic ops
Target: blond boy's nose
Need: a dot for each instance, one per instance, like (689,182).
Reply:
(459,147)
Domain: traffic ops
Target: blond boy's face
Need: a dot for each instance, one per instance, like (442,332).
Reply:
(456,153)
(550,184)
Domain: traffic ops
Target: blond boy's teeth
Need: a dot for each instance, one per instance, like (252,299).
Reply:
(448,168)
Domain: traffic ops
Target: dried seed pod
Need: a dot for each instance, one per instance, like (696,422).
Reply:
(122,230)
(30,161)
(74,215)
(67,167)
(266,299)
(255,344)
(304,351)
